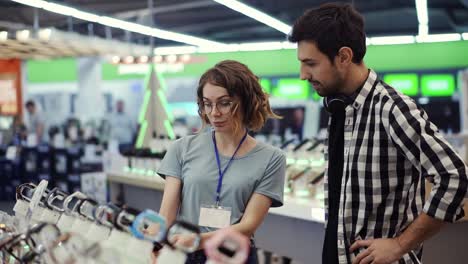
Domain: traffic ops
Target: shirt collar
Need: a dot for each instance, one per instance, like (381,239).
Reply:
(361,94)
(356,99)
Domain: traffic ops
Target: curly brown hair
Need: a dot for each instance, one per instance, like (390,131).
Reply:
(240,82)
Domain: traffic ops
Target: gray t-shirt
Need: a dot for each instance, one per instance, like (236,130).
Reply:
(192,159)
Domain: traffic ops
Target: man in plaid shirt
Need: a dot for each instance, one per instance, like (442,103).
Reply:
(381,149)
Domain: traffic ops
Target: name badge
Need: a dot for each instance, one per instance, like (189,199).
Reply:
(214,216)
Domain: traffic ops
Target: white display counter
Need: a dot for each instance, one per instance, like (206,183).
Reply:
(301,208)
(294,230)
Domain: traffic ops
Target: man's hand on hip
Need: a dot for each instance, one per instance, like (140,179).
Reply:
(377,251)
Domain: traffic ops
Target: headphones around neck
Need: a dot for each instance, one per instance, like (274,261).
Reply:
(336,102)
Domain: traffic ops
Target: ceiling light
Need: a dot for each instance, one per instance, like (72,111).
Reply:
(115,59)
(117,23)
(143,59)
(289,45)
(175,50)
(392,40)
(438,38)
(45,34)
(423,18)
(260,46)
(185,58)
(256,14)
(157,59)
(171,58)
(33,3)
(129,59)
(423,29)
(3,35)
(224,48)
(421,11)
(70,11)
(368,41)
(23,35)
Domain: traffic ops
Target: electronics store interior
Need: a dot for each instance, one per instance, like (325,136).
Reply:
(210,131)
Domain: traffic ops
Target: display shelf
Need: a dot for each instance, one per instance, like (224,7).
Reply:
(151,182)
(301,208)
(297,207)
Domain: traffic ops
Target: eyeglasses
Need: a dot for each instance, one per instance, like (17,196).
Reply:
(223,106)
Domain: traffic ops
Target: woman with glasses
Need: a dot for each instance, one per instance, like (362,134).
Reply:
(224,177)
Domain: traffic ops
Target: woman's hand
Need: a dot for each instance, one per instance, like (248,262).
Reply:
(183,240)
(152,230)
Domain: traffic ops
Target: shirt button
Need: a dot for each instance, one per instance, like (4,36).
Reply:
(346,151)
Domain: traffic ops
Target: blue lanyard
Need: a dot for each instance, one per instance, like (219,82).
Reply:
(221,174)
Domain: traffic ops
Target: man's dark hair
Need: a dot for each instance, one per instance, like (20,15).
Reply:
(332,26)
(30,103)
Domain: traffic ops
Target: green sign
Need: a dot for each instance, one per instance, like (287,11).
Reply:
(292,89)
(266,85)
(407,83)
(438,85)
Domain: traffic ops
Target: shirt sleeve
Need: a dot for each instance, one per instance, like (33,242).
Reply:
(422,144)
(272,182)
(171,165)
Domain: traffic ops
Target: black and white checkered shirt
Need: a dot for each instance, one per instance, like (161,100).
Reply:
(390,148)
